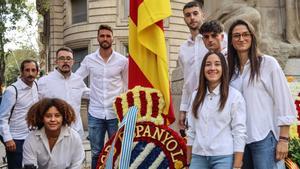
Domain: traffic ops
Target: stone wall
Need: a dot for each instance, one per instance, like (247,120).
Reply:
(278,35)
(111,12)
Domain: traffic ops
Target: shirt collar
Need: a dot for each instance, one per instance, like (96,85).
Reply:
(216,91)
(110,57)
(57,73)
(23,85)
(190,41)
(247,65)
(63,132)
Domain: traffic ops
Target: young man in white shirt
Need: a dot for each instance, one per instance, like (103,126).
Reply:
(63,84)
(213,35)
(108,74)
(16,101)
(191,53)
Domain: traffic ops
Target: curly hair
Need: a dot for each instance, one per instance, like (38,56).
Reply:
(36,113)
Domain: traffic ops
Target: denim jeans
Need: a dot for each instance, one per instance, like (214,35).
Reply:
(97,130)
(261,154)
(14,159)
(211,162)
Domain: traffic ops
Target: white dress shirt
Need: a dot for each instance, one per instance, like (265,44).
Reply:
(17,127)
(268,98)
(191,54)
(67,152)
(216,132)
(70,89)
(107,80)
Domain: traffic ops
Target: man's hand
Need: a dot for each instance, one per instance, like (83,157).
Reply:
(181,123)
(10,145)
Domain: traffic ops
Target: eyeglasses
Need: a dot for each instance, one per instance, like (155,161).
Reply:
(63,59)
(245,35)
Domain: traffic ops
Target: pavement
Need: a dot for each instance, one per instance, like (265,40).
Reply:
(86,163)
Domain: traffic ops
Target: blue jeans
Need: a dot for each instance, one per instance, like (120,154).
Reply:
(211,162)
(97,130)
(14,159)
(261,154)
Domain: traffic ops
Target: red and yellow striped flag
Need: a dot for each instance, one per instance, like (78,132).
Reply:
(148,61)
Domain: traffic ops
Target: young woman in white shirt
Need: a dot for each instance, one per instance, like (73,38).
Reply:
(217,119)
(52,144)
(270,107)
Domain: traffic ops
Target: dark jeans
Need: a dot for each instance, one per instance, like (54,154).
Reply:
(261,154)
(14,159)
(97,130)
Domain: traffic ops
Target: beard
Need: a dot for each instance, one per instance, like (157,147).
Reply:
(105,45)
(64,70)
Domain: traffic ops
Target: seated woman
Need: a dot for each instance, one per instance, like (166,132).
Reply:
(52,144)
(217,119)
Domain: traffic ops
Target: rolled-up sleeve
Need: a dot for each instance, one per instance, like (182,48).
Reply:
(238,124)
(29,156)
(78,155)
(283,100)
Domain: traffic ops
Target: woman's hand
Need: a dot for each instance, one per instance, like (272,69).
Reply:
(238,160)
(282,149)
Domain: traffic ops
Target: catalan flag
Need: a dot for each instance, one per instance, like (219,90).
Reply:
(148,61)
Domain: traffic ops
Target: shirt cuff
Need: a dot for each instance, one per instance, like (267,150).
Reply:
(190,141)
(184,107)
(239,145)
(286,120)
(7,138)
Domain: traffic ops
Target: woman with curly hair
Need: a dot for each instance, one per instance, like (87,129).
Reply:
(52,143)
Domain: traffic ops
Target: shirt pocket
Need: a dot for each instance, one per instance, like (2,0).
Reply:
(76,94)
(114,70)
(97,72)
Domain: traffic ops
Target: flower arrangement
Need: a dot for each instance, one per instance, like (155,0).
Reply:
(294,150)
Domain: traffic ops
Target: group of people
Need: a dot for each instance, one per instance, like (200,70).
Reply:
(40,122)
(236,105)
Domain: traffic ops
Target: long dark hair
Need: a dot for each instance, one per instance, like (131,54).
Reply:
(203,84)
(254,55)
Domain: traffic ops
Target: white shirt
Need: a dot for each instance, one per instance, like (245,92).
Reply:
(70,89)
(17,127)
(191,54)
(269,101)
(218,132)
(107,80)
(67,152)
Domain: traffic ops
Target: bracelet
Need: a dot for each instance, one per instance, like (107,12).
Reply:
(284,138)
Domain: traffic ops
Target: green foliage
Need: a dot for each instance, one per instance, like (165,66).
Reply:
(11,11)
(294,150)
(14,60)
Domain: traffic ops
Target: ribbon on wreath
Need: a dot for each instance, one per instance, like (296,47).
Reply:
(129,122)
